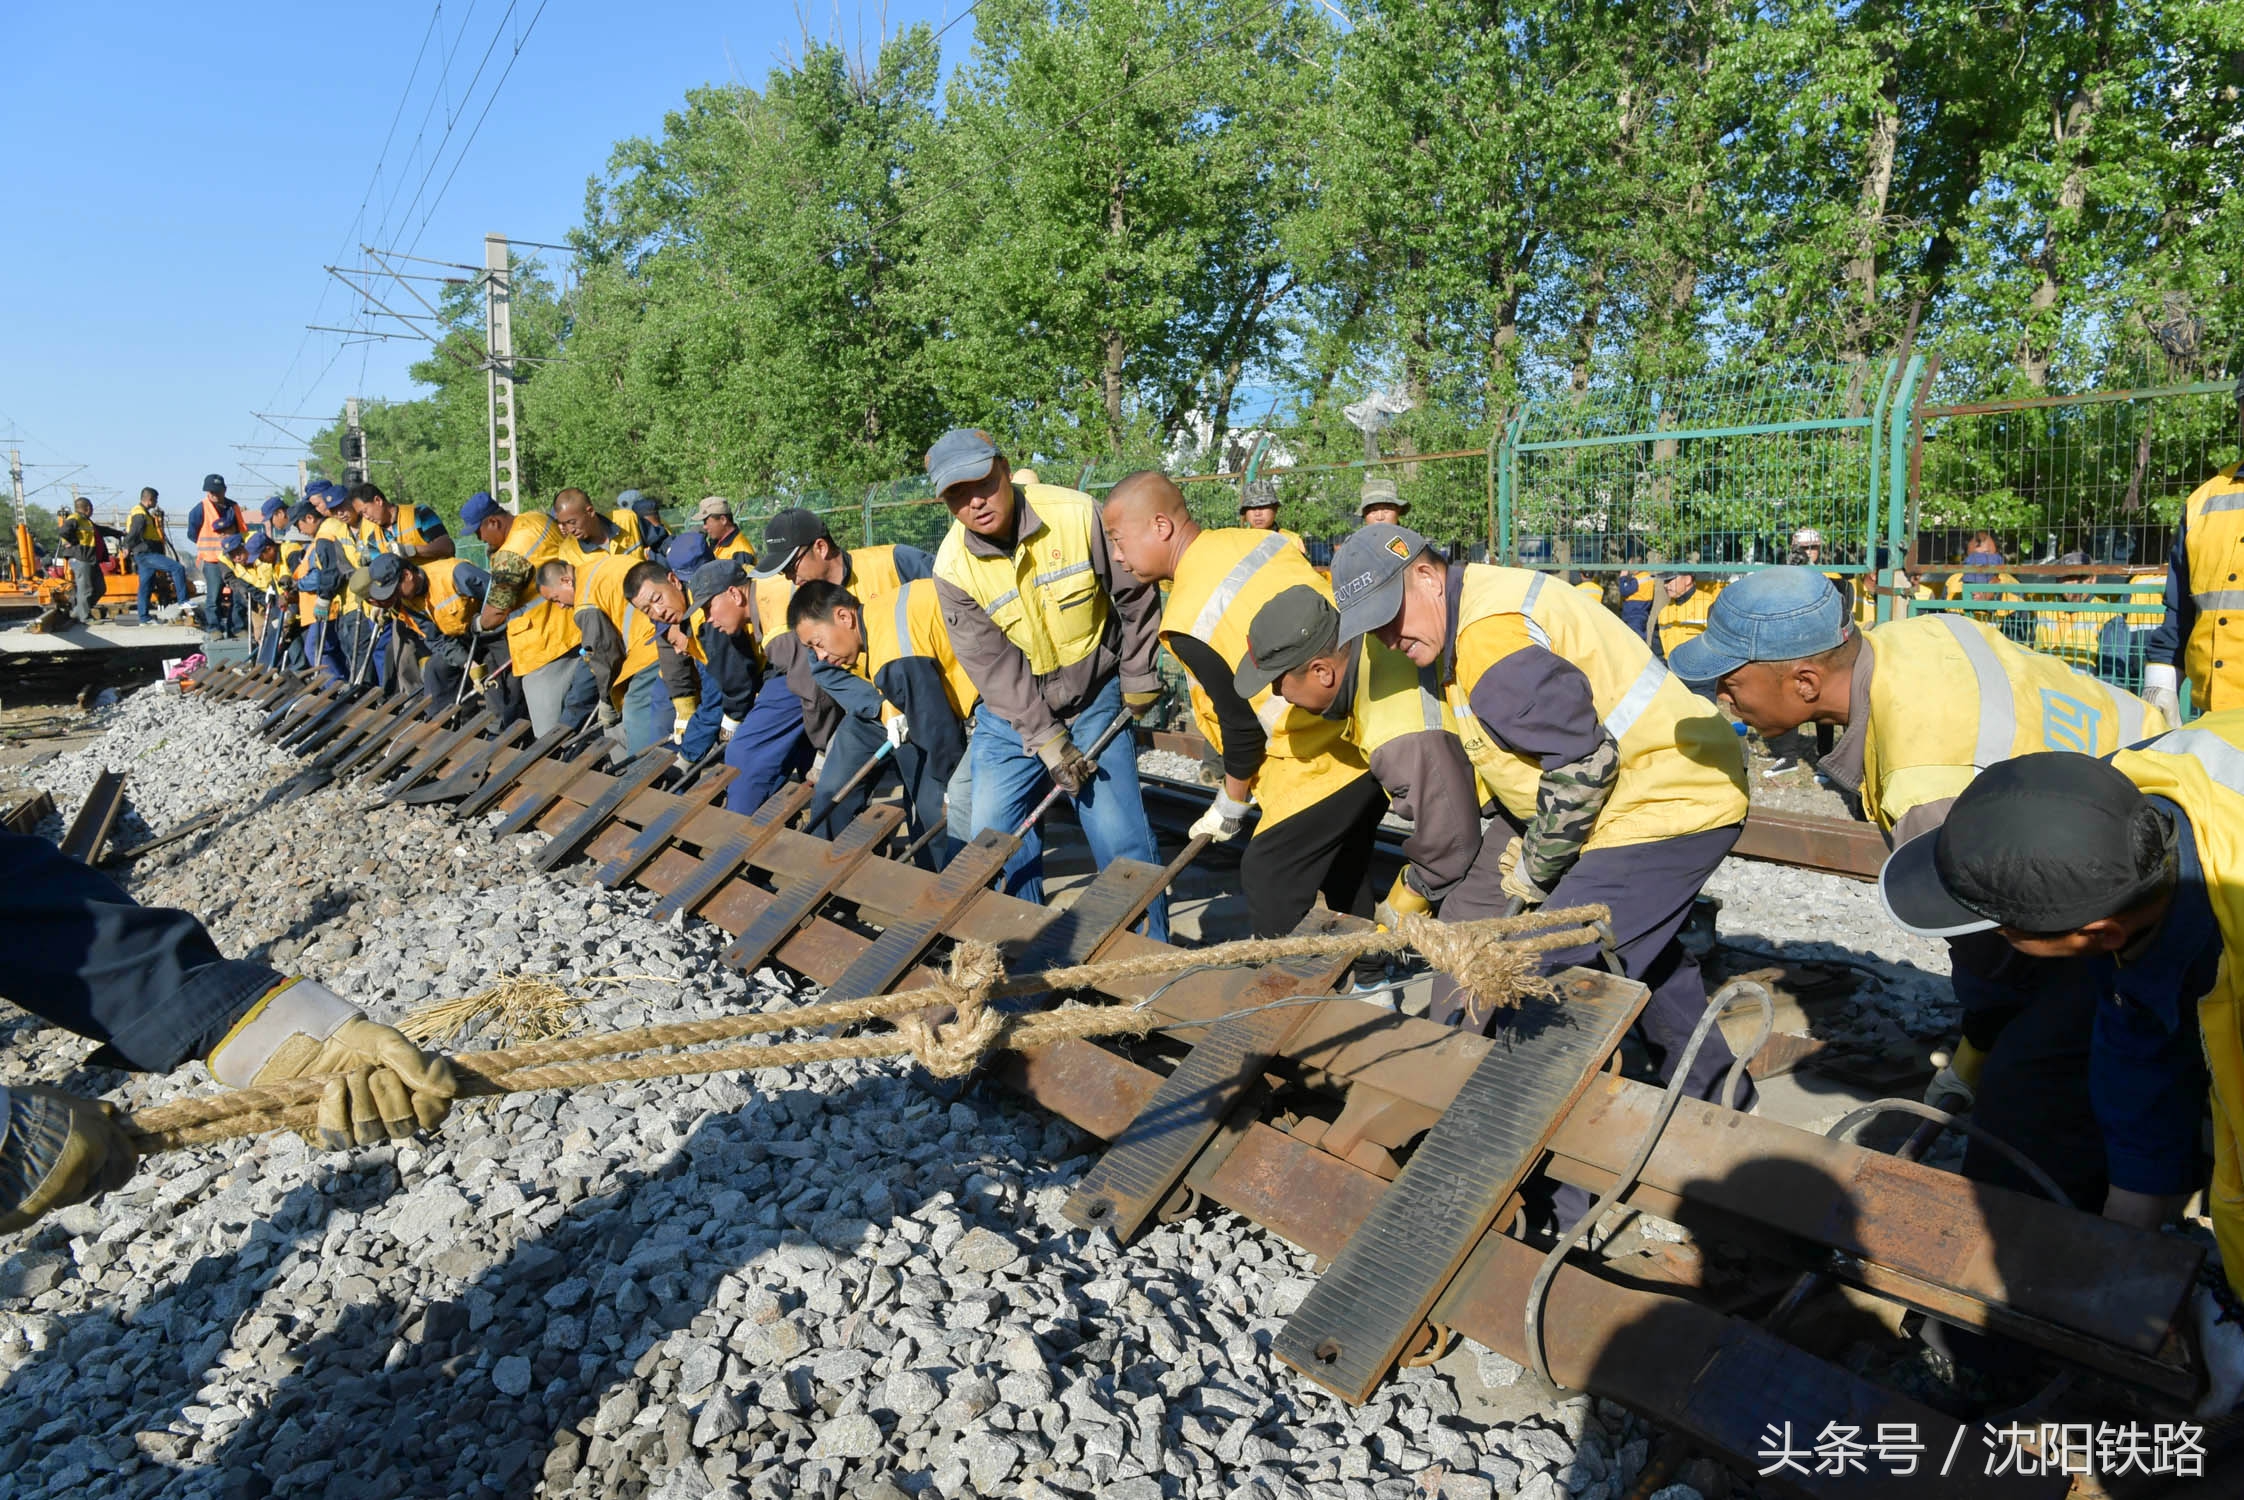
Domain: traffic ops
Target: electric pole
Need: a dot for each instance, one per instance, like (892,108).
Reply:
(303,477)
(15,478)
(498,326)
(354,445)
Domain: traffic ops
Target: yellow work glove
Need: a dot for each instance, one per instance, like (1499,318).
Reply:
(385,1086)
(1138,705)
(1402,899)
(1516,884)
(58,1150)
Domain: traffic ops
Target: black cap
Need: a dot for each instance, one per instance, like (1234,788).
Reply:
(786,536)
(2044,843)
(214,484)
(383,573)
(301,511)
(1297,626)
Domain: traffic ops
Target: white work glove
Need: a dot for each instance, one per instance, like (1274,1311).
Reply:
(1222,821)
(2162,690)
(607,714)
(725,730)
(2220,1342)
(897,728)
(1948,1091)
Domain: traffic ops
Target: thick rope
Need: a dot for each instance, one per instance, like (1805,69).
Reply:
(947,1026)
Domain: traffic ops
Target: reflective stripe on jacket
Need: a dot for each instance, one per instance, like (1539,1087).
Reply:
(1950,696)
(1682,770)
(1222,580)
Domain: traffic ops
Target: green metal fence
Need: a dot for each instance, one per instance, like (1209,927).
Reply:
(1718,472)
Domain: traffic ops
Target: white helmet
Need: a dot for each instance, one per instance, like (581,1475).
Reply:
(1807,536)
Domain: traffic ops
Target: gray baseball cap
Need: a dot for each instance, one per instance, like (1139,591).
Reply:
(1295,628)
(960,455)
(1367,576)
(713,578)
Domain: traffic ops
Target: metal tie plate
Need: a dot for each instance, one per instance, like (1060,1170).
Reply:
(796,899)
(719,864)
(642,774)
(904,938)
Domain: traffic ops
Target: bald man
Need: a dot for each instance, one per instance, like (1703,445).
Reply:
(1320,805)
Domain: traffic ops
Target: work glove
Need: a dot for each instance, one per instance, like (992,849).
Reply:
(898,729)
(1955,1087)
(726,729)
(1222,821)
(2220,1341)
(385,1086)
(1141,704)
(607,714)
(1402,899)
(1070,767)
(59,1149)
(1516,883)
(2162,691)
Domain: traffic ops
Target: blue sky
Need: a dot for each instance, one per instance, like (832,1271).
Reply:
(176,186)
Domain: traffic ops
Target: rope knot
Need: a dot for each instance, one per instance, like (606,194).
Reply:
(950,1048)
(1494,974)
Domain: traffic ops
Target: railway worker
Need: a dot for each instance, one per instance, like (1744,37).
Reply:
(2202,633)
(590,534)
(415,536)
(1258,511)
(1684,599)
(1615,783)
(647,513)
(541,638)
(631,672)
(714,516)
(1923,706)
(320,571)
(900,645)
(1382,503)
(438,600)
(1320,805)
(2122,879)
(1393,711)
(81,548)
(351,618)
(150,547)
(765,749)
(1059,638)
(148,983)
(260,573)
(840,711)
(212,520)
(662,597)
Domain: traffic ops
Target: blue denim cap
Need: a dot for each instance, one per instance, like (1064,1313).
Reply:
(480,507)
(1778,614)
(960,455)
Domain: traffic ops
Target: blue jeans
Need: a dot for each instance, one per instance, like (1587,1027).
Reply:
(154,565)
(1009,782)
(768,747)
(708,719)
(647,718)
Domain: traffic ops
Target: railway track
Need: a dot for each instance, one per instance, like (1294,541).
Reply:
(1391,1147)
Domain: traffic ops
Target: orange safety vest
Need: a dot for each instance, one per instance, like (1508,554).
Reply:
(210,546)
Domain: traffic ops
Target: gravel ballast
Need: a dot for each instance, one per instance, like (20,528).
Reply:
(830,1281)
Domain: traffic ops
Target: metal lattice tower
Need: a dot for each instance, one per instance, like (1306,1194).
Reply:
(498,323)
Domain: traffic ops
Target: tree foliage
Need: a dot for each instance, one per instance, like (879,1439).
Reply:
(1126,230)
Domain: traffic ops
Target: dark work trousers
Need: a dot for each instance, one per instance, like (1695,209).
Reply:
(768,748)
(2033,1091)
(854,742)
(1649,888)
(1993,983)
(1325,847)
(145,980)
